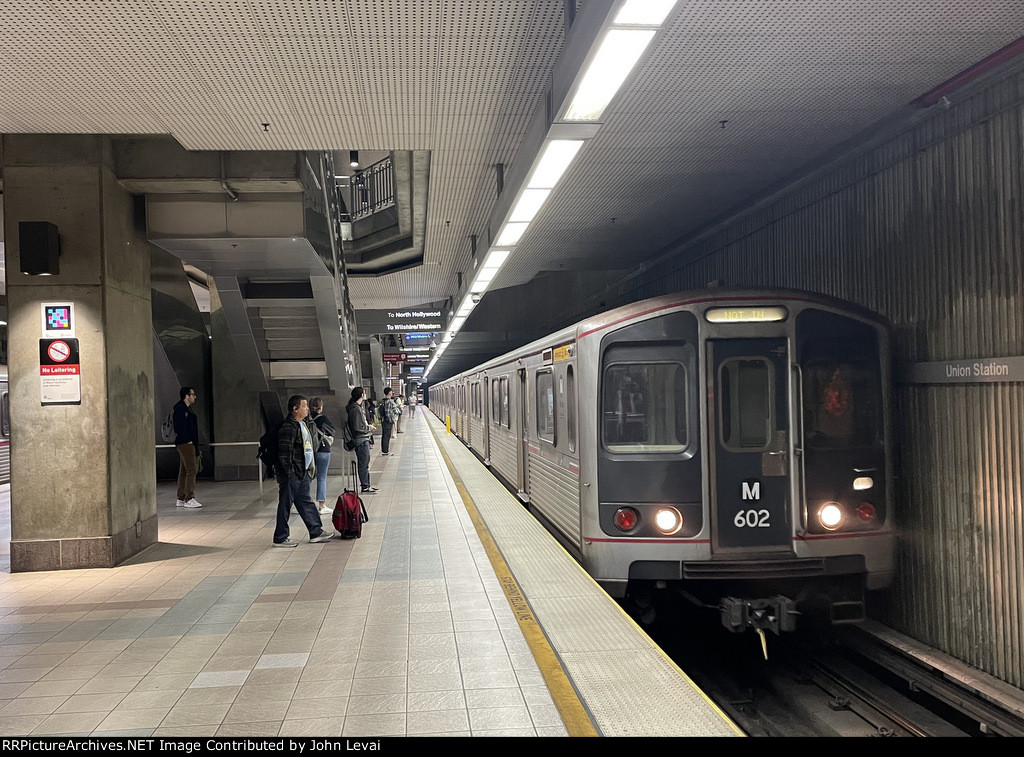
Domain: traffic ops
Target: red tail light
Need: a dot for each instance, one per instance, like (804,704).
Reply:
(626,518)
(865,511)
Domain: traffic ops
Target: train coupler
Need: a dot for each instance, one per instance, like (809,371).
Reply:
(777,614)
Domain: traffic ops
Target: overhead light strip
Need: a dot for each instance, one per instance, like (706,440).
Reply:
(624,42)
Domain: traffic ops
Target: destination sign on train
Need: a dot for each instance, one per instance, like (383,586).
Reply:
(746,315)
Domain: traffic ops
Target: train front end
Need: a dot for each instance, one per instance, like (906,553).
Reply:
(742,458)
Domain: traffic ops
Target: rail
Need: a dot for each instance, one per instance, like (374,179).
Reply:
(372,189)
(228,444)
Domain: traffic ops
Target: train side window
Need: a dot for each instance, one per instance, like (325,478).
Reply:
(505,418)
(496,403)
(745,403)
(5,414)
(546,406)
(570,407)
(644,407)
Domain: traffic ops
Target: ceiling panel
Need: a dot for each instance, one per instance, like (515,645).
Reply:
(790,79)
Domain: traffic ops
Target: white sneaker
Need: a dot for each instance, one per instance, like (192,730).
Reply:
(179,503)
(192,503)
(325,510)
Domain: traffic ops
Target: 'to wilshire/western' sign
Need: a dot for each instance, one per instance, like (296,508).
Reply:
(415,320)
(976,371)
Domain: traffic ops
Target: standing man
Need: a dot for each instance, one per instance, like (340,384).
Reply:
(400,404)
(295,442)
(186,441)
(387,421)
(361,431)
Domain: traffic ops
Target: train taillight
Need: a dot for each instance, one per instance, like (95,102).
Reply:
(626,518)
(668,520)
(830,515)
(865,511)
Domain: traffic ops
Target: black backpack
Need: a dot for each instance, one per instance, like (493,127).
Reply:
(267,452)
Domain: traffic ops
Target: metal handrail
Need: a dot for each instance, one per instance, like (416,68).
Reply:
(259,473)
(372,189)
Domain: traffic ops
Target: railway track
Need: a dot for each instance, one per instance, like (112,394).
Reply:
(840,685)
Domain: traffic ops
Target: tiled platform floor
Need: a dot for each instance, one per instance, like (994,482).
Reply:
(213,632)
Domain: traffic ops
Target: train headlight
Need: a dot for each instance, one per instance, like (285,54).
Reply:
(668,520)
(626,518)
(830,516)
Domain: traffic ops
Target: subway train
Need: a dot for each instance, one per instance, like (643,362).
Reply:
(730,447)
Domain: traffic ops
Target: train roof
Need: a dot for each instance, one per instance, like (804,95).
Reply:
(637,309)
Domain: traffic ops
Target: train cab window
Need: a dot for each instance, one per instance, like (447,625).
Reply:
(546,406)
(570,407)
(841,380)
(505,419)
(644,407)
(745,403)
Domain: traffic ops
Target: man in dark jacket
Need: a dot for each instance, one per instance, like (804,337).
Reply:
(360,431)
(388,413)
(296,441)
(186,442)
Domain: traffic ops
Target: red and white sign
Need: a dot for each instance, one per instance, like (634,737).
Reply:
(395,357)
(58,351)
(60,372)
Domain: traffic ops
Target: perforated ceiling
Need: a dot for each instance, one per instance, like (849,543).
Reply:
(790,79)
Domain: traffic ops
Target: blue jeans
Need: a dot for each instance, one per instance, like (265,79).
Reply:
(292,489)
(363,456)
(323,460)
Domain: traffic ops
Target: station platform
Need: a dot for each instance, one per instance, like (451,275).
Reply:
(455,614)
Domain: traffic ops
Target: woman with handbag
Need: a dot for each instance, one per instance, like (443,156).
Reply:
(322,454)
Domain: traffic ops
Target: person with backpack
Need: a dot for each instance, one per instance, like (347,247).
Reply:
(296,442)
(322,456)
(361,432)
(186,442)
(388,413)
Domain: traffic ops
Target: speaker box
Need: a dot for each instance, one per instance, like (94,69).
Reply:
(40,248)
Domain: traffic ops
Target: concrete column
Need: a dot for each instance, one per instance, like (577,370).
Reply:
(83,482)
(236,407)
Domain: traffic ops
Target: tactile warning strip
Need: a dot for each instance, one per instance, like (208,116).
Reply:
(629,686)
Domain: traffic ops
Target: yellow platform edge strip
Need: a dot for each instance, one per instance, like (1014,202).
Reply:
(574,715)
(472,511)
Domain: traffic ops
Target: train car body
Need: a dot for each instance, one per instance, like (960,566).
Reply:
(733,446)
(5,428)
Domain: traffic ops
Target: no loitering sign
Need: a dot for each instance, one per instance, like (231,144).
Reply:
(60,373)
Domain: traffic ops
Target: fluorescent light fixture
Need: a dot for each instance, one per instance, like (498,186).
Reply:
(615,58)
(528,205)
(456,323)
(496,258)
(511,233)
(492,264)
(557,155)
(645,12)
(483,280)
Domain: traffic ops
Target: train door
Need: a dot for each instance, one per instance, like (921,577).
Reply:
(485,421)
(523,437)
(749,426)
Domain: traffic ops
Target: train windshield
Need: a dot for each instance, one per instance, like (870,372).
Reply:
(841,404)
(842,394)
(644,407)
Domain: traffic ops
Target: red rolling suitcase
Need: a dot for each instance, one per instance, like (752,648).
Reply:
(350,512)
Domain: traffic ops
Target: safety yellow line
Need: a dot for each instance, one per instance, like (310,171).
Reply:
(643,634)
(574,715)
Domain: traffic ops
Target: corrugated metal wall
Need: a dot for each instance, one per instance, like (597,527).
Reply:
(925,227)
